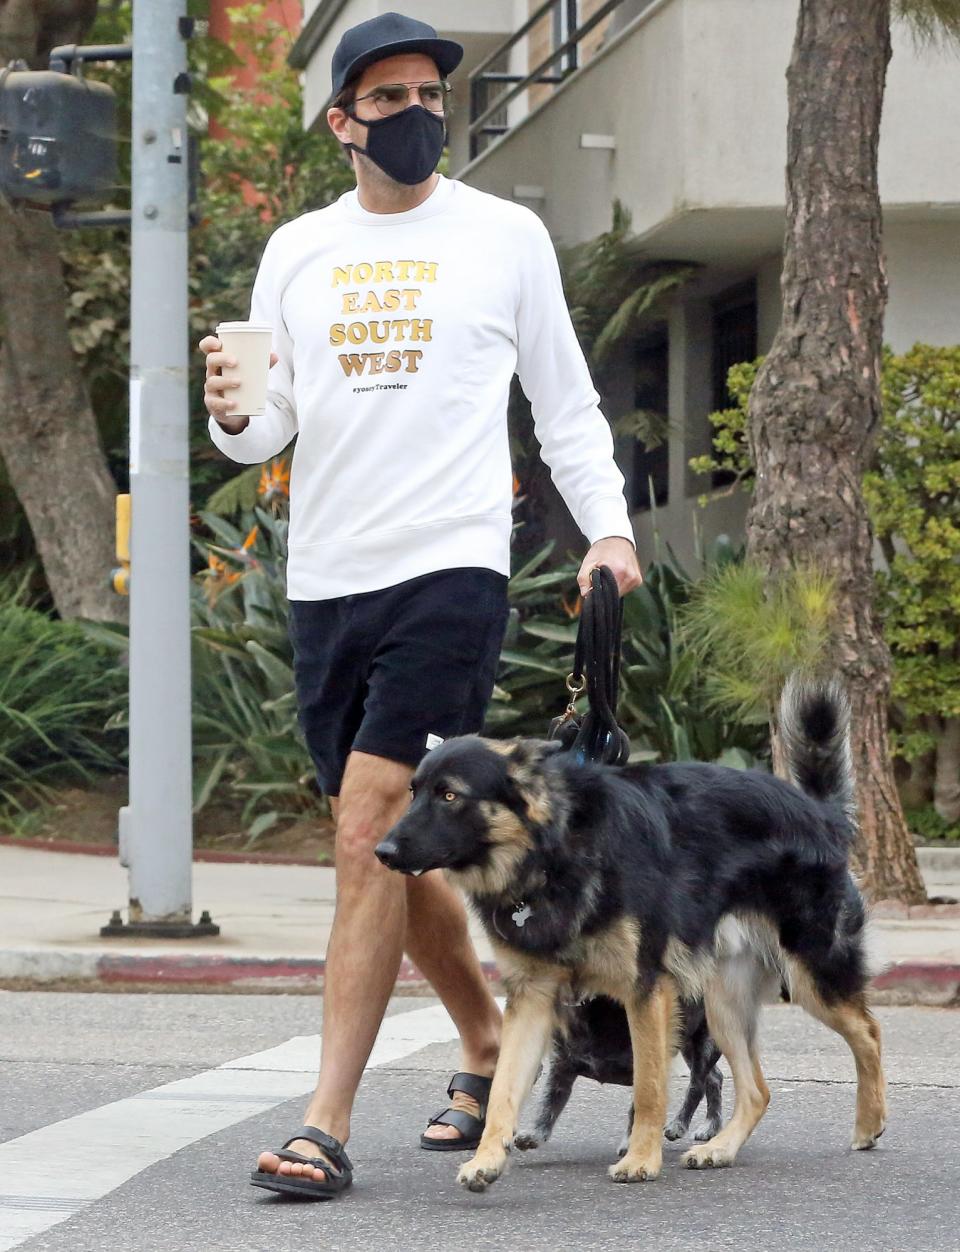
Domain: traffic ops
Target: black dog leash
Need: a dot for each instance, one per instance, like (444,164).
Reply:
(597,736)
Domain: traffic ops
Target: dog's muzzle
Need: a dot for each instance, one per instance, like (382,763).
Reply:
(387,853)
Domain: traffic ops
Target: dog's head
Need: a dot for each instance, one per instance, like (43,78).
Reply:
(479,808)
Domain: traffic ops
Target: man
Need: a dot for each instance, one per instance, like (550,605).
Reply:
(400,314)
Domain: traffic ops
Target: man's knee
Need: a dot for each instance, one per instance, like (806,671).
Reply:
(372,799)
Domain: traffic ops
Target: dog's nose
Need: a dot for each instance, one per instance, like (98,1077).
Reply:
(386,853)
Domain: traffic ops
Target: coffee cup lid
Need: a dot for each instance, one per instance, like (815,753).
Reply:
(257,326)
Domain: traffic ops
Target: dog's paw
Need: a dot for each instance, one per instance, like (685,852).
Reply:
(864,1140)
(478,1175)
(526,1142)
(708,1156)
(707,1131)
(675,1130)
(635,1168)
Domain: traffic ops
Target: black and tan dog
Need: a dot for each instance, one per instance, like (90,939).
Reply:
(592,1040)
(642,882)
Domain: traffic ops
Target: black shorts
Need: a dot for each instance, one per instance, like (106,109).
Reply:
(382,671)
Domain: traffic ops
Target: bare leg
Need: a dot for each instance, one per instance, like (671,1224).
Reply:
(527,1028)
(365,947)
(651,1027)
(439,944)
(733,1000)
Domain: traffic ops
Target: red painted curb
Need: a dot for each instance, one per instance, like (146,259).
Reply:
(226,970)
(941,974)
(199,854)
(940,979)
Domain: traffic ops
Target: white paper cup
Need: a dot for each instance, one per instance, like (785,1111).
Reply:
(249,344)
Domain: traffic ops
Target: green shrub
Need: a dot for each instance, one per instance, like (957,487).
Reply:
(663,701)
(926,823)
(245,732)
(58,690)
(747,632)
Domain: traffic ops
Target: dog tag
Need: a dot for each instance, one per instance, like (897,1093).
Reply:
(522,914)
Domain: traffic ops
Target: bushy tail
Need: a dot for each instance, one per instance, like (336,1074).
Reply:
(815,732)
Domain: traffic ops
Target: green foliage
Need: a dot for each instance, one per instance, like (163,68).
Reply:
(662,701)
(258,170)
(247,745)
(932,21)
(246,737)
(58,689)
(614,291)
(927,824)
(747,633)
(731,450)
(913,494)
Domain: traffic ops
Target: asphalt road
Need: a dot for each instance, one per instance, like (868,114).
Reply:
(92,1091)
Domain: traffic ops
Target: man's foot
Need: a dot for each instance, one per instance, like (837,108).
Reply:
(314,1165)
(270,1163)
(463,1104)
(463,1118)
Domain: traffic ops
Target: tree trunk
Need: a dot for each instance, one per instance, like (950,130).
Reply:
(48,432)
(815,408)
(946,786)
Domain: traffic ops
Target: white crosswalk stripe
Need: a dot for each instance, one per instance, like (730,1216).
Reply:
(97,1151)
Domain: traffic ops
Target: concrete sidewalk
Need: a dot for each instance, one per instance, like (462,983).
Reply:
(275,921)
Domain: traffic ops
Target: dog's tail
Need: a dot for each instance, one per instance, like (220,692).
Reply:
(815,733)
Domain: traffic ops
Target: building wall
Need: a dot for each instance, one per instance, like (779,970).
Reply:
(694,92)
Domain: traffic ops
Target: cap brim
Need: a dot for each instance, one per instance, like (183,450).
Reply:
(445,52)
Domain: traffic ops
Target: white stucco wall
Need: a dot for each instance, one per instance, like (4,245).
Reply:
(923,270)
(694,92)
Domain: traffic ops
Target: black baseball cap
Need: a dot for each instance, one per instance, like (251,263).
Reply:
(386,36)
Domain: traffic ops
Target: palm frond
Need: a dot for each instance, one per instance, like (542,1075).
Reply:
(931,21)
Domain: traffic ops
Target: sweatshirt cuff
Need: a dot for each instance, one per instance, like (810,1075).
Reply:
(237,447)
(608,518)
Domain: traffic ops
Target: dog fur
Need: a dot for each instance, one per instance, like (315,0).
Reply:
(592,1040)
(650,884)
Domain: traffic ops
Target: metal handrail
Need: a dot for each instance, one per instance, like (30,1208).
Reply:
(481,116)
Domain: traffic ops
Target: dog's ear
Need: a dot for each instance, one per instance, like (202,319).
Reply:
(525,777)
(530,752)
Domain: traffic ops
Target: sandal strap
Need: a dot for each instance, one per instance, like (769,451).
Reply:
(468,1125)
(333,1148)
(472,1085)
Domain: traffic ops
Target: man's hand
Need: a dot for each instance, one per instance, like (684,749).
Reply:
(621,558)
(215,389)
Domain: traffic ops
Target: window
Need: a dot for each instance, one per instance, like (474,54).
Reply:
(651,468)
(734,341)
(565,22)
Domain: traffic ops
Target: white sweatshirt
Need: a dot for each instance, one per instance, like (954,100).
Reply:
(397,336)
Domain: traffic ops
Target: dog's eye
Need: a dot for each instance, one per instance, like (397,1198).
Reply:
(449,796)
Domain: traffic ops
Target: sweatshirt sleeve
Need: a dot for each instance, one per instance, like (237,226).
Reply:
(574,436)
(267,434)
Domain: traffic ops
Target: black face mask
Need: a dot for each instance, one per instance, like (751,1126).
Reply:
(406,146)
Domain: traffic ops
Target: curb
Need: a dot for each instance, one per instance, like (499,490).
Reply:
(168,970)
(932,983)
(938,862)
(211,855)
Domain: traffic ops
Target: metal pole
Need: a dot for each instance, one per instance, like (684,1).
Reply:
(156,831)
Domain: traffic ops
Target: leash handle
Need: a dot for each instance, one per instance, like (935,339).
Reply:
(596,664)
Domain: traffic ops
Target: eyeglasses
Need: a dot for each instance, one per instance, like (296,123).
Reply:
(391,98)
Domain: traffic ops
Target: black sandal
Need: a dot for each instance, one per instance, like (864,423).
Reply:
(338,1170)
(470,1127)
